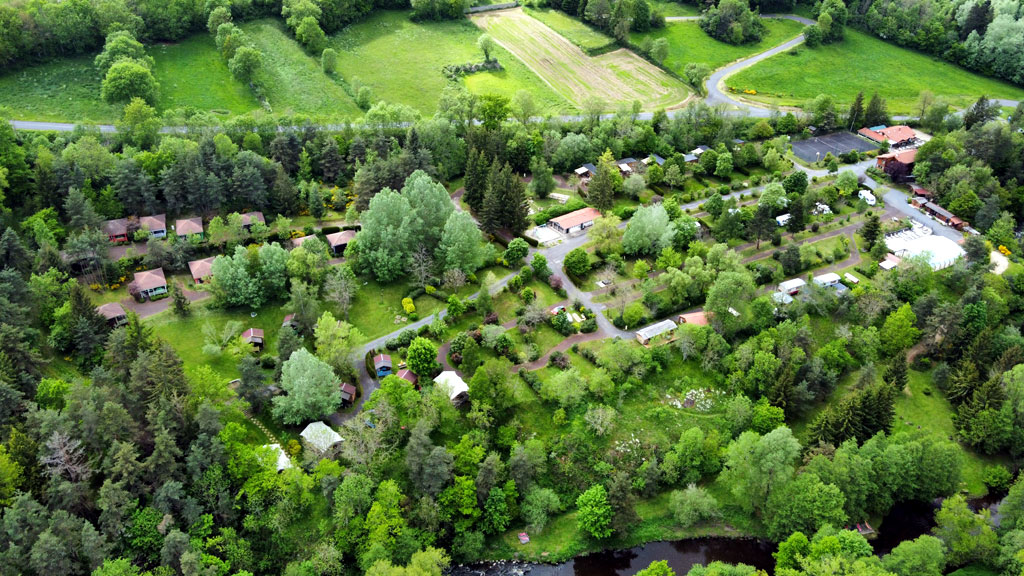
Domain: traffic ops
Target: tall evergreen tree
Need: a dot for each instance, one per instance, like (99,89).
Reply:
(871,230)
(856,115)
(601,189)
(477,174)
(877,112)
(505,203)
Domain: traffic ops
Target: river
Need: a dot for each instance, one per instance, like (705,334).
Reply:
(906,521)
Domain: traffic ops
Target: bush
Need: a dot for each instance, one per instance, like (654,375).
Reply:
(589,325)
(692,506)
(408,306)
(531,379)
(330,229)
(998,478)
(268,361)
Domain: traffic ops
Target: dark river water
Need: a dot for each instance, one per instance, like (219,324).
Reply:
(905,521)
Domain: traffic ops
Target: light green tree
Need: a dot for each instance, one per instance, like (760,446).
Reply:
(311,389)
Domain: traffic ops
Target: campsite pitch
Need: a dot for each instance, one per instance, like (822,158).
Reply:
(619,77)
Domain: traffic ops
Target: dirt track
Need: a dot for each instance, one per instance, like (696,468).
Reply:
(619,77)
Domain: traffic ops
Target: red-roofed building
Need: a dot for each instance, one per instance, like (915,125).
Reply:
(114,314)
(254,336)
(149,283)
(919,191)
(575,221)
(905,157)
(202,270)
(250,218)
(408,376)
(895,136)
(698,318)
(339,240)
(116,230)
(348,392)
(156,224)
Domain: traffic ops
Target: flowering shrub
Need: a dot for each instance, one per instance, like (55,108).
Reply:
(408,306)
(702,400)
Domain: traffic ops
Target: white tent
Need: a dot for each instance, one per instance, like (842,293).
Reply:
(320,436)
(941,251)
(451,383)
(282,460)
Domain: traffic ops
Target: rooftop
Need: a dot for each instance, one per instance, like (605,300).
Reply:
(149,279)
(320,436)
(186,226)
(700,318)
(339,238)
(154,222)
(116,227)
(201,268)
(111,310)
(940,251)
(250,217)
(656,329)
(573,219)
(452,383)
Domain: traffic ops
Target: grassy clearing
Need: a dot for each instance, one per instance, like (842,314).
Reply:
(846,68)
(192,73)
(688,43)
(669,8)
(292,78)
(67,88)
(401,61)
(615,78)
(923,406)
(575,31)
(185,335)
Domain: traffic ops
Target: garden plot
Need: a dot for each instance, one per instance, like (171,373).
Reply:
(619,77)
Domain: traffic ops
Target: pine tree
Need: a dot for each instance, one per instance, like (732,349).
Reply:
(896,374)
(871,230)
(856,114)
(601,189)
(477,172)
(330,160)
(492,209)
(179,302)
(514,198)
(877,112)
(796,216)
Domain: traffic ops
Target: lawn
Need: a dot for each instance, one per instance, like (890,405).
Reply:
(185,335)
(923,406)
(401,61)
(669,8)
(292,79)
(192,73)
(851,66)
(688,43)
(60,90)
(613,79)
(575,31)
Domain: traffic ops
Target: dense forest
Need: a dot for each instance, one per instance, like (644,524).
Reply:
(119,457)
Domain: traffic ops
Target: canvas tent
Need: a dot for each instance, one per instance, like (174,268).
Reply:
(319,436)
(453,384)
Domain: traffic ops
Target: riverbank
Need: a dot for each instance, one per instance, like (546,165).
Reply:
(561,541)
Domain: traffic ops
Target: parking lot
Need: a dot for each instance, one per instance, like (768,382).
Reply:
(814,149)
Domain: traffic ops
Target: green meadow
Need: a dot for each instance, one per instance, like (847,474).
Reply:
(401,61)
(688,43)
(864,63)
